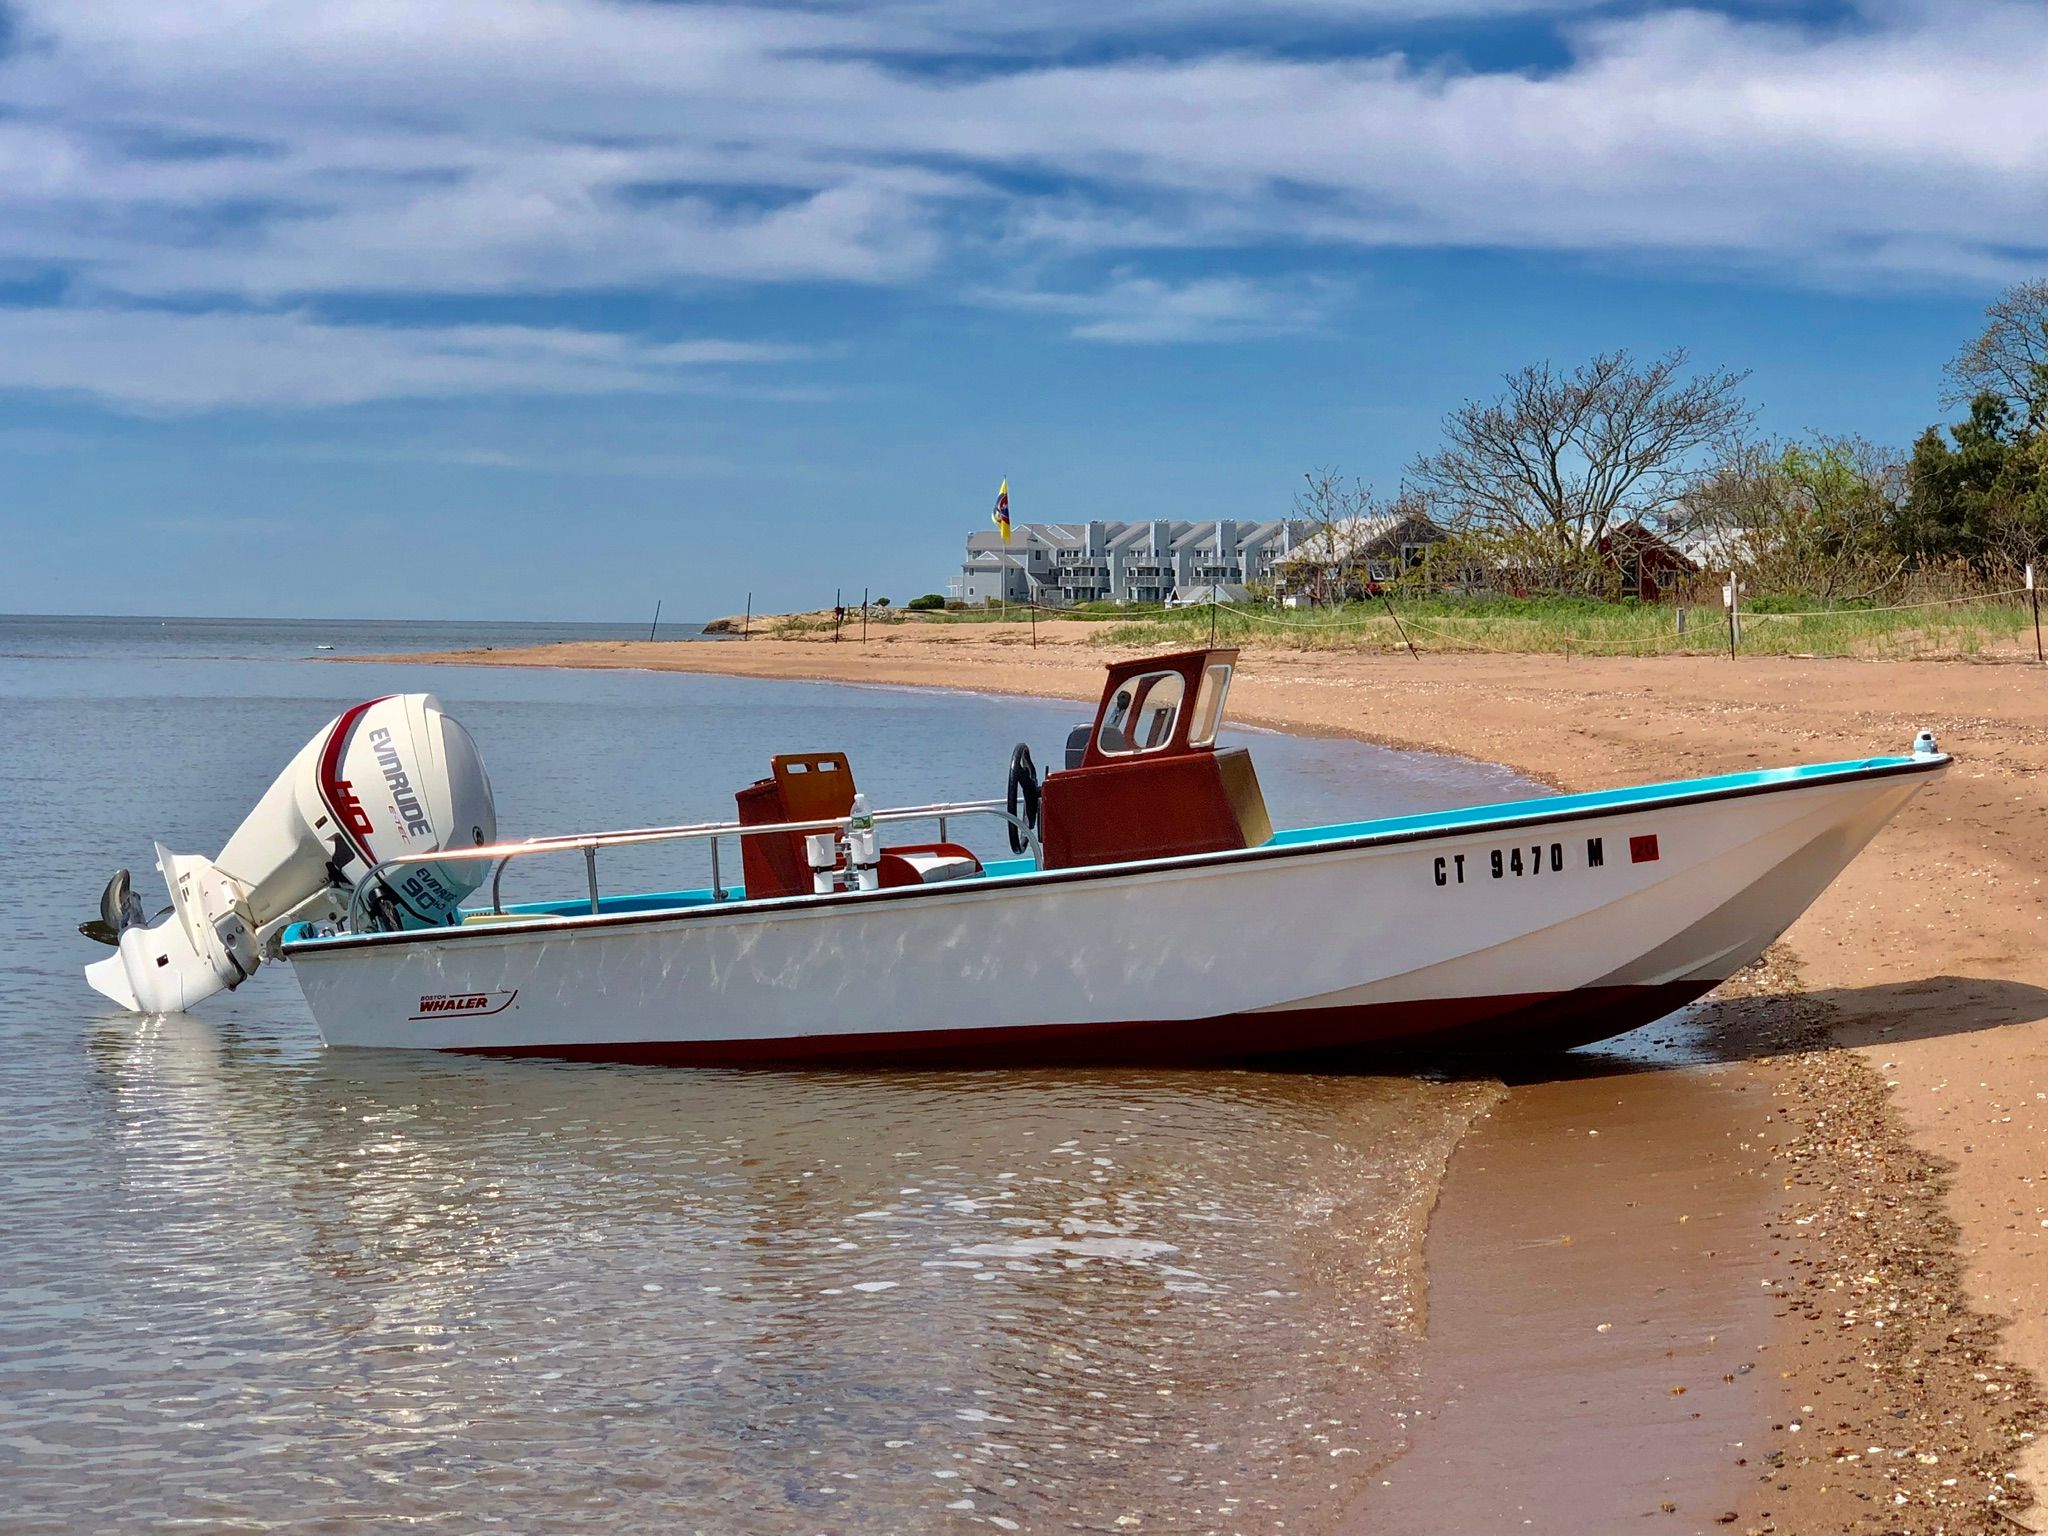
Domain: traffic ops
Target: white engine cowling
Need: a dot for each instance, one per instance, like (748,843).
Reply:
(391,777)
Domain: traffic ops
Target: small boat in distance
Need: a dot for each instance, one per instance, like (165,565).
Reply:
(1150,913)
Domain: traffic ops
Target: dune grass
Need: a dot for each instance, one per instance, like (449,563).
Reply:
(1019,613)
(810,626)
(1782,627)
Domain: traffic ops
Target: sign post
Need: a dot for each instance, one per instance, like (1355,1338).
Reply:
(1731,599)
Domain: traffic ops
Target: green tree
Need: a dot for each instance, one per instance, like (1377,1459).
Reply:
(1979,494)
(2009,358)
(1810,516)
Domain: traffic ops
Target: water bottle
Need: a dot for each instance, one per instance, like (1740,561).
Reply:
(861,849)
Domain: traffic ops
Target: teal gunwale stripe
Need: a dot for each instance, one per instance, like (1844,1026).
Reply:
(1609,800)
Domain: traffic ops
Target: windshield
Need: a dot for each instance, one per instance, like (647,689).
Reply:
(1142,715)
(1209,704)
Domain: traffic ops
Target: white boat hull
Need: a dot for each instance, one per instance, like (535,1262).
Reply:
(1596,922)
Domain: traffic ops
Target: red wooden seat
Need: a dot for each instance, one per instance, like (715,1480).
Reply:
(802,786)
(818,786)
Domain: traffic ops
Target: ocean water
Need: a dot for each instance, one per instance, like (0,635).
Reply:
(74,637)
(249,1284)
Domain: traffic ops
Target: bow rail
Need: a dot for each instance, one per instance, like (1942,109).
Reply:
(589,844)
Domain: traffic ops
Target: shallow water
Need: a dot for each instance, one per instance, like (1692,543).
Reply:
(250,1284)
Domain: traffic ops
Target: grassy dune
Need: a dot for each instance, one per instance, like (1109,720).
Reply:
(1790,626)
(1569,626)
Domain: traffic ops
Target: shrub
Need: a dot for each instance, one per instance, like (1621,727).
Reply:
(926,604)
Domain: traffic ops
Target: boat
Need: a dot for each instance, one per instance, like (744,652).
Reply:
(1149,911)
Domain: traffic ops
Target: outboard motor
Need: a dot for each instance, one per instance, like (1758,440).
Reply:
(391,777)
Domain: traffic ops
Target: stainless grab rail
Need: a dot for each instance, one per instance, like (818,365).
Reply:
(588,843)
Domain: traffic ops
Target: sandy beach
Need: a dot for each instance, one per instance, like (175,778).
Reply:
(1897,1042)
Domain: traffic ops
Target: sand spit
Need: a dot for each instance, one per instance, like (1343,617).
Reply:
(1909,1084)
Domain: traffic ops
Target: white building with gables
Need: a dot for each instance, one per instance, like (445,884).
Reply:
(1163,561)
(1056,564)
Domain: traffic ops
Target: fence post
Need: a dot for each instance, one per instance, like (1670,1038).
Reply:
(1732,597)
(2034,597)
(747,624)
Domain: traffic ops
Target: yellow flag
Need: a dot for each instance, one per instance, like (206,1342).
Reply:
(1001,515)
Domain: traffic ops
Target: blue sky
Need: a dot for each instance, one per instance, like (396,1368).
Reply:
(551,308)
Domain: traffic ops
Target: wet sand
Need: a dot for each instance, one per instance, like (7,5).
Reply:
(1595,1318)
(1903,1240)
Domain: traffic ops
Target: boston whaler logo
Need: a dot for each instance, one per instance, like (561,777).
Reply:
(403,798)
(470,1005)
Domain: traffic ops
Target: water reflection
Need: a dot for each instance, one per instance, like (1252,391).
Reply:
(410,1285)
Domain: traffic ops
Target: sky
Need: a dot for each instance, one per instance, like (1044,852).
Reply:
(551,309)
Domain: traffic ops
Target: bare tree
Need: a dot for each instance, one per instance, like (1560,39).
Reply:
(1560,458)
(2010,358)
(1327,498)
(1334,556)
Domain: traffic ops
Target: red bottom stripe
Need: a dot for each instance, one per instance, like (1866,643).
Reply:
(1511,1024)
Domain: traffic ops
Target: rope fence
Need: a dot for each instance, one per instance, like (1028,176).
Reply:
(1937,602)
(1710,631)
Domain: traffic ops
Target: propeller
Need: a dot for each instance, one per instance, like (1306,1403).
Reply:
(120,909)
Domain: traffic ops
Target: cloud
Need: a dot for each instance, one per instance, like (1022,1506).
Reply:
(1685,133)
(265,155)
(164,361)
(1135,308)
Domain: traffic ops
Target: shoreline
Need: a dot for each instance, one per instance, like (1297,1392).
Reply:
(1908,1066)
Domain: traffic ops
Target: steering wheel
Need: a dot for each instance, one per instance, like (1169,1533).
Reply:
(1023,792)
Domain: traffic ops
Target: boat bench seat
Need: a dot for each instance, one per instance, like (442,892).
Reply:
(928,864)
